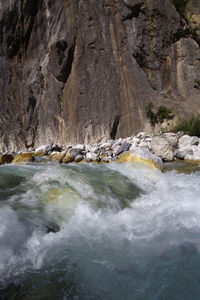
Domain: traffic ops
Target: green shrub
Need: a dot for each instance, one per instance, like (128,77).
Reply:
(197,81)
(163,113)
(150,114)
(190,126)
(180,6)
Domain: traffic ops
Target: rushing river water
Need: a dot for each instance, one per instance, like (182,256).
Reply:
(98,232)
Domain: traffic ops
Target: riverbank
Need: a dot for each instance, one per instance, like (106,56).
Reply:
(155,150)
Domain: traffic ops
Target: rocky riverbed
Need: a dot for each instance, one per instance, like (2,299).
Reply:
(153,150)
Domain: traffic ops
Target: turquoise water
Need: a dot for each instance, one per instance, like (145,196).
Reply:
(95,232)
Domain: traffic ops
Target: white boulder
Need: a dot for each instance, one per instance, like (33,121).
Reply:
(162,147)
(187,141)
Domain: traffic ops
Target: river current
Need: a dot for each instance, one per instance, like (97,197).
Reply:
(98,232)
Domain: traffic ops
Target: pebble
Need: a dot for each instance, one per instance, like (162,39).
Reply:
(167,146)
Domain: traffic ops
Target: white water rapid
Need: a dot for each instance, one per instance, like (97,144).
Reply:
(95,232)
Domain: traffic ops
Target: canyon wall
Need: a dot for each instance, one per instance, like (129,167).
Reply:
(77,70)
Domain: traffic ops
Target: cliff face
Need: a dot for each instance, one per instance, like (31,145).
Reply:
(76,70)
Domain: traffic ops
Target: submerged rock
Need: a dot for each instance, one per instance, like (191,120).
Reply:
(182,166)
(142,155)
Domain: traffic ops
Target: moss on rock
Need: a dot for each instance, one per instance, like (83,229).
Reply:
(57,156)
(23,157)
(67,159)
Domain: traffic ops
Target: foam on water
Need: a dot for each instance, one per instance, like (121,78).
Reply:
(99,232)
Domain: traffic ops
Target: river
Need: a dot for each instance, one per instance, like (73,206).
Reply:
(98,232)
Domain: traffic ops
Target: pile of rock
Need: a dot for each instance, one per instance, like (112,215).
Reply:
(165,147)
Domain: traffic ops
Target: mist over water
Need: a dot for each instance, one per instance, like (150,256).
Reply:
(86,231)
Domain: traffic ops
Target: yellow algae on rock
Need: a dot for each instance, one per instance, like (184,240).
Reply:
(23,157)
(129,158)
(39,154)
(141,155)
(67,159)
(6,159)
(55,194)
(52,195)
(57,156)
(82,161)
(62,201)
(192,161)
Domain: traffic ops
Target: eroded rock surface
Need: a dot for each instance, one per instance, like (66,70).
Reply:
(75,71)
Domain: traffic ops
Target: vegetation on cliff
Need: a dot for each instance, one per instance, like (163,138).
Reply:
(190,126)
(163,113)
(180,6)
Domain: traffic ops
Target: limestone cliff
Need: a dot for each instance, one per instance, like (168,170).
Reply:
(78,70)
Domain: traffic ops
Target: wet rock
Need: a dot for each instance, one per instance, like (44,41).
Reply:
(23,157)
(182,166)
(6,158)
(78,158)
(106,159)
(142,155)
(52,228)
(58,156)
(68,159)
(162,147)
(42,158)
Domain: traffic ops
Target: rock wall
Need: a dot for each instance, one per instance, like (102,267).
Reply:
(77,70)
